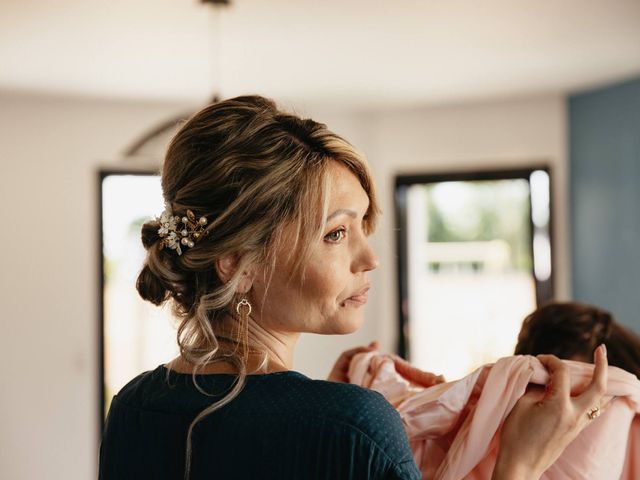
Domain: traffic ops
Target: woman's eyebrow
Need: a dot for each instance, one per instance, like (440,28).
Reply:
(342,211)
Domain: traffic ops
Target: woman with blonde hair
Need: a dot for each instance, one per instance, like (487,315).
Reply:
(264,237)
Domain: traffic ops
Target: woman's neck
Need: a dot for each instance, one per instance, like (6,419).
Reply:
(279,346)
(269,351)
(255,366)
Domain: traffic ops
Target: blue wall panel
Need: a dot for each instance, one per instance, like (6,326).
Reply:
(604,146)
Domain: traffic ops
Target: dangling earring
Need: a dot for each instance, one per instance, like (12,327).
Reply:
(243,304)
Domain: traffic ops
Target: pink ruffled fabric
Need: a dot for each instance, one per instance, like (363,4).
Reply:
(453,427)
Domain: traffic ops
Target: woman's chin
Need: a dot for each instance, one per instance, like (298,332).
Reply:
(346,325)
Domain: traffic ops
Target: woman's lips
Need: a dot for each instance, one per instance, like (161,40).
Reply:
(360,298)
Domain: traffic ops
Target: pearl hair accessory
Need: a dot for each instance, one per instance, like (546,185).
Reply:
(177,232)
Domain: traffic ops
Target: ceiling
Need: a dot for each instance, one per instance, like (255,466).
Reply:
(349,52)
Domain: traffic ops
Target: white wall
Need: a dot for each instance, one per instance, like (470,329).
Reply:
(49,152)
(50,149)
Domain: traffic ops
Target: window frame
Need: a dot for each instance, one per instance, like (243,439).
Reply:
(102,174)
(544,290)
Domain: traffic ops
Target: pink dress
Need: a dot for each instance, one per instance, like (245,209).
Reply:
(453,427)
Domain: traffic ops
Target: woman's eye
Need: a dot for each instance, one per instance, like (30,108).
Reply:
(335,236)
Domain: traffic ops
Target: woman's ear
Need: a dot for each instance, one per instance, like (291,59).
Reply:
(227,266)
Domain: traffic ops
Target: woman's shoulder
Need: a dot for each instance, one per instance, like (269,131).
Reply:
(363,415)
(348,415)
(165,391)
(144,389)
(365,412)
(344,400)
(137,385)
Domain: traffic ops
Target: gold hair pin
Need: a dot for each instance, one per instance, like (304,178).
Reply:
(177,232)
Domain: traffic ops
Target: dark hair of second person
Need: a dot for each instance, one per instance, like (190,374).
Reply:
(573,331)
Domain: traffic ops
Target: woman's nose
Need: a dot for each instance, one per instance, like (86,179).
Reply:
(368,260)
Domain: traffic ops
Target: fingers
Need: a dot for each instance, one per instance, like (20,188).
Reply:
(348,354)
(554,420)
(339,371)
(402,366)
(345,357)
(533,395)
(413,374)
(592,396)
(559,381)
(606,403)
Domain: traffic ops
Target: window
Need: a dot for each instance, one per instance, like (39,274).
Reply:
(474,258)
(134,335)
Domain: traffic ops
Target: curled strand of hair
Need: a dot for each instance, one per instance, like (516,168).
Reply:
(237,386)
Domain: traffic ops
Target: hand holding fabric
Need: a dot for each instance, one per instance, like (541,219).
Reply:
(340,370)
(415,375)
(545,421)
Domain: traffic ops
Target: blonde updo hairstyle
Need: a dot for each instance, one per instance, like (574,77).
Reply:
(251,170)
